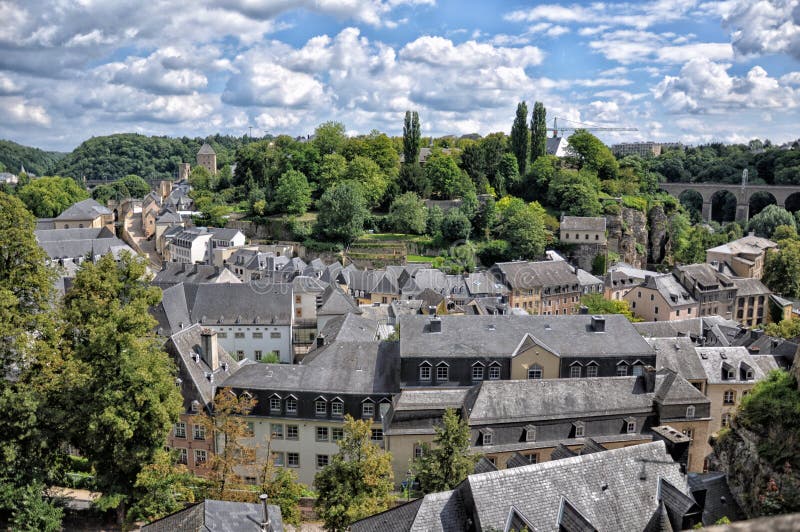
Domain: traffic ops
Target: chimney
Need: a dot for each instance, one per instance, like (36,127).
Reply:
(649,376)
(265,524)
(321,340)
(208,341)
(584,309)
(721,267)
(598,324)
(435,325)
(183,267)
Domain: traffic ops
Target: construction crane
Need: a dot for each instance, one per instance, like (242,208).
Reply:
(587,127)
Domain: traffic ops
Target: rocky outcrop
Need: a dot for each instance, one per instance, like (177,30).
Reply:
(658,235)
(628,236)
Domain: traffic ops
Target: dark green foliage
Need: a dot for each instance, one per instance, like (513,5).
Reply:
(342,211)
(162,488)
(14,156)
(599,264)
(538,131)
(765,222)
(592,154)
(33,513)
(445,464)
(494,251)
(433,224)
(575,193)
(522,225)
(411,138)
(597,304)
(329,138)
(782,269)
(408,214)
(455,226)
(293,195)
(47,197)
(520,137)
(444,176)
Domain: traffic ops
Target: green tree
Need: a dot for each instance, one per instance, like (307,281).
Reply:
(537,181)
(575,193)
(592,154)
(784,329)
(444,176)
(408,214)
(369,175)
(538,131)
(412,178)
(494,251)
(135,185)
(162,488)
(782,269)
(411,138)
(342,212)
(34,514)
(784,232)
(281,486)
(293,195)
(332,171)
(358,482)
(200,178)
(443,466)
(508,174)
(522,226)
(520,137)
(597,304)
(329,138)
(47,197)
(433,224)
(765,222)
(126,373)
(455,226)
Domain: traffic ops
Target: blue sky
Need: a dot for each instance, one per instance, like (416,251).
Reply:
(678,70)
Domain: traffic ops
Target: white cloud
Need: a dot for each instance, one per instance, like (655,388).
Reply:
(8,86)
(637,15)
(764,26)
(629,46)
(17,110)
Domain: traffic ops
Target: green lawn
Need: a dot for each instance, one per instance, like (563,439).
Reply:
(419,258)
(393,237)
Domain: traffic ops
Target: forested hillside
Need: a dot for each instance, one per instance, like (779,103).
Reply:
(116,156)
(13,156)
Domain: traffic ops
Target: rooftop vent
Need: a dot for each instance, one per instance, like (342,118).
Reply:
(704,356)
(435,325)
(722,355)
(492,327)
(598,324)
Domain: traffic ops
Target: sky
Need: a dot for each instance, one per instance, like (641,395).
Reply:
(677,70)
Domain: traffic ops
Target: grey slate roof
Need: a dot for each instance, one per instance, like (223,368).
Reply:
(172,312)
(750,287)
(206,149)
(336,302)
(704,275)
(57,235)
(87,209)
(714,358)
(484,466)
(583,223)
(173,273)
(471,336)
(218,516)
(523,275)
(72,249)
(342,367)
(398,518)
(670,289)
(438,399)
(719,501)
(679,355)
(442,511)
(227,303)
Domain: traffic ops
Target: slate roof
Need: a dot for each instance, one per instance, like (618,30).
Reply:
(398,518)
(222,233)
(342,367)
(719,501)
(583,223)
(484,466)
(501,336)
(704,275)
(172,312)
(72,249)
(228,303)
(523,275)
(206,149)
(218,516)
(349,327)
(479,283)
(604,489)
(670,289)
(587,279)
(57,235)
(422,399)
(750,287)
(714,358)
(748,245)
(173,273)
(87,209)
(168,217)
(336,302)
(517,460)
(679,355)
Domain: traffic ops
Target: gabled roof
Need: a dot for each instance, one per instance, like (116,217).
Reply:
(523,275)
(670,289)
(679,355)
(583,223)
(172,273)
(87,209)
(206,149)
(242,304)
(219,516)
(59,235)
(714,358)
(750,287)
(336,302)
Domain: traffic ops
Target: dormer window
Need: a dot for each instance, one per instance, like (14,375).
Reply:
(630,425)
(442,372)
(487,437)
(195,406)
(477,371)
(748,375)
(592,369)
(321,406)
(291,405)
(368,409)
(575,370)
(425,371)
(494,371)
(337,407)
(275,404)
(579,429)
(530,433)
(690,411)
(728,373)
(622,369)
(535,372)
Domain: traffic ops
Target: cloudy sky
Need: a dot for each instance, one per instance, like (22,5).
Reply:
(687,70)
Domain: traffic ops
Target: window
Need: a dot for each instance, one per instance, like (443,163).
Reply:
(250,429)
(180,430)
(297,300)
(631,427)
(320,407)
(532,458)
(322,433)
(292,432)
(726,420)
(239,354)
(638,370)
(530,433)
(575,371)
(322,460)
(199,432)
(749,375)
(293,459)
(367,409)
(488,438)
(258,335)
(337,408)
(690,411)
(222,335)
(183,456)
(274,335)
(535,372)
(442,372)
(337,434)
(377,435)
(276,429)
(591,371)
(291,405)
(259,354)
(195,406)
(425,373)
(622,370)
(275,404)
(494,373)
(689,433)
(656,310)
(477,372)
(579,430)
(730,374)
(729,397)
(200,456)
(298,313)
(238,335)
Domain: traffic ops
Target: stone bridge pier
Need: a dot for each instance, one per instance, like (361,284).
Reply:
(742,195)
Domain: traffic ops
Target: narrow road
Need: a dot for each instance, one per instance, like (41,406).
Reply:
(133,224)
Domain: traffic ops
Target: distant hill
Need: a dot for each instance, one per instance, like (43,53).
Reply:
(115,156)
(36,161)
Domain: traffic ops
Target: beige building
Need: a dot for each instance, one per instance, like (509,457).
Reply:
(184,169)
(583,230)
(745,256)
(661,298)
(83,215)
(548,287)
(207,158)
(752,302)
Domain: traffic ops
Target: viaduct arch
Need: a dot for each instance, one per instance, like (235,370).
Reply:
(742,194)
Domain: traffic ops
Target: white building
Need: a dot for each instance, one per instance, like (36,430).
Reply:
(195,244)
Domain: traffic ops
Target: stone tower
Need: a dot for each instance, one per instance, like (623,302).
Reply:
(183,170)
(207,158)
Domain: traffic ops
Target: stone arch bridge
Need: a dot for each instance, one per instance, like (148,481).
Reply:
(741,193)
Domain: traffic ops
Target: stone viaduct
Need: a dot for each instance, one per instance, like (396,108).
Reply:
(742,195)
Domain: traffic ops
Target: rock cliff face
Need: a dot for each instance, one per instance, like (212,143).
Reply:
(627,236)
(658,235)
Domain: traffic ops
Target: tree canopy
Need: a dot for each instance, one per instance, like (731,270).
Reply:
(445,464)
(47,197)
(342,211)
(408,214)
